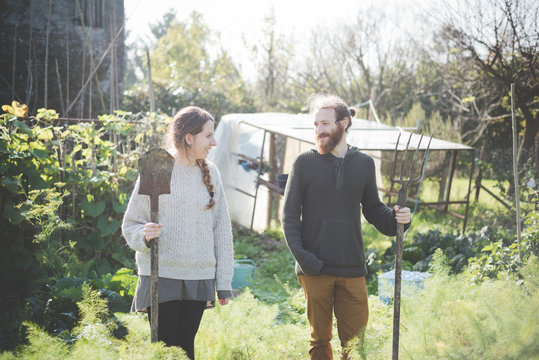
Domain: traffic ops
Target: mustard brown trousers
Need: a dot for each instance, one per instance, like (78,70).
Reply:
(347,298)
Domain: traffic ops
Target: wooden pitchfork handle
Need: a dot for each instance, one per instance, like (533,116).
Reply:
(398,274)
(400,231)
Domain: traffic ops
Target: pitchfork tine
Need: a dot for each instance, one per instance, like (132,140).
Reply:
(413,159)
(424,159)
(394,159)
(404,157)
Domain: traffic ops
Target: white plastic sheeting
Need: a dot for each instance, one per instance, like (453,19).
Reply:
(234,137)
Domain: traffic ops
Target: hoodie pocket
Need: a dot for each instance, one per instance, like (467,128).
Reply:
(339,245)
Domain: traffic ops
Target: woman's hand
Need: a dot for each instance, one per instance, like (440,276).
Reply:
(152,231)
(223,301)
(403,215)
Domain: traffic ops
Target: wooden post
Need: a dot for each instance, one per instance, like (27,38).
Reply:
(468,196)
(111,81)
(150,84)
(60,86)
(95,68)
(45,96)
(67,68)
(480,171)
(515,167)
(14,65)
(115,65)
(91,56)
(450,178)
(82,90)
(29,64)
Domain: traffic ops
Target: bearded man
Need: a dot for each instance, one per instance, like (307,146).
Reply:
(326,191)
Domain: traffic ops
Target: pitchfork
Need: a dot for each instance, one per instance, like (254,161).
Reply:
(400,230)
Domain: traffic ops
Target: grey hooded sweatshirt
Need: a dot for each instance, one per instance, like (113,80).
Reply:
(324,197)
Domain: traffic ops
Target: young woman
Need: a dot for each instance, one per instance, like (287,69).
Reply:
(196,255)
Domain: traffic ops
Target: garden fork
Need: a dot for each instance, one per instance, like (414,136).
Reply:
(400,229)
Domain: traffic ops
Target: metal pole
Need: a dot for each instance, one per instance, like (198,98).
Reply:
(271,161)
(258,177)
(515,166)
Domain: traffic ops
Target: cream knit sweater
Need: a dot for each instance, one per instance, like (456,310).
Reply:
(195,243)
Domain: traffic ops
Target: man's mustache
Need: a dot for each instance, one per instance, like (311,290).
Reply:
(322,135)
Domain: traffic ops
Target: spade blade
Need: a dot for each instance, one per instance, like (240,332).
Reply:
(155,168)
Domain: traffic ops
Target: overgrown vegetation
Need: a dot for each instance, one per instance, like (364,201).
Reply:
(64,189)
(75,280)
(67,276)
(452,317)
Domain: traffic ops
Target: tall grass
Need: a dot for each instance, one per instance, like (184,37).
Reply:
(450,319)
(248,329)
(455,319)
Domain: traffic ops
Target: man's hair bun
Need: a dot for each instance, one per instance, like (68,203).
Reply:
(352,112)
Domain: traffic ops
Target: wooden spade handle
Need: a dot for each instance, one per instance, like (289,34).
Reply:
(154,256)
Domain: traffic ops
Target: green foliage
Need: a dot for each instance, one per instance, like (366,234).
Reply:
(42,345)
(184,71)
(247,329)
(458,248)
(94,337)
(58,308)
(275,280)
(65,189)
(451,318)
(434,124)
(455,319)
(503,260)
(71,185)
(440,263)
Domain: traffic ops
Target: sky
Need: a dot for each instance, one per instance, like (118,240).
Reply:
(241,21)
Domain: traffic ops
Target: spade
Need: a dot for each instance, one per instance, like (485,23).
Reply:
(155,168)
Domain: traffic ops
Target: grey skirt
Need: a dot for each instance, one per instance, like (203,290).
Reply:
(172,289)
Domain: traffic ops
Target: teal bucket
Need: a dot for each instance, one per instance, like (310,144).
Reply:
(244,272)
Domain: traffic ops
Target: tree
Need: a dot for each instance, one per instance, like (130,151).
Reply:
(272,56)
(187,70)
(500,39)
(160,29)
(360,61)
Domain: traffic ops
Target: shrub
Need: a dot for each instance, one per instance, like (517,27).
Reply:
(419,251)
(94,336)
(502,259)
(55,309)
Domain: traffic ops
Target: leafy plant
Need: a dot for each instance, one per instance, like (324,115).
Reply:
(504,260)
(56,311)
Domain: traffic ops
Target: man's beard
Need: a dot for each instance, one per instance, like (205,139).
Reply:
(335,138)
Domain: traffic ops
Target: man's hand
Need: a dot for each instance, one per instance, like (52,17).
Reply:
(403,215)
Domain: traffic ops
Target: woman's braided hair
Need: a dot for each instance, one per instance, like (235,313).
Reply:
(206,177)
(190,120)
